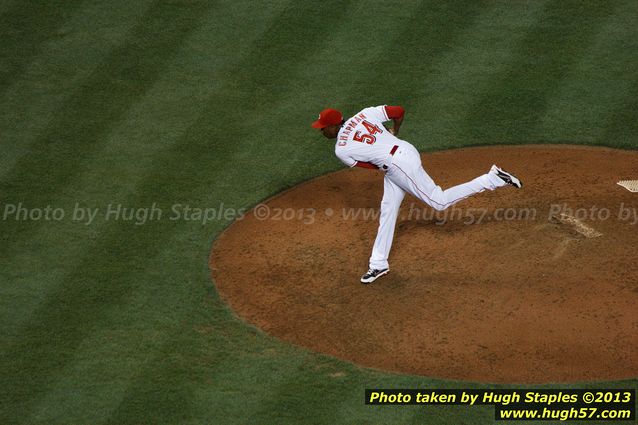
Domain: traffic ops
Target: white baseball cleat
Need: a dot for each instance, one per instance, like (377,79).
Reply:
(506,177)
(373,274)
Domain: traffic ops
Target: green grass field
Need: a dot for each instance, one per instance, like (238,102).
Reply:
(201,103)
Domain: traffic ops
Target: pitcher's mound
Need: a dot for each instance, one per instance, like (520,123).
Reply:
(535,285)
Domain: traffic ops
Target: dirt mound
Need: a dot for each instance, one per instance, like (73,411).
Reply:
(535,285)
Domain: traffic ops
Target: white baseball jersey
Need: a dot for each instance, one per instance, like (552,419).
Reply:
(364,138)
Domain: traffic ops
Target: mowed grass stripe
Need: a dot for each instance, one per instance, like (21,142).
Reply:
(42,257)
(456,35)
(107,277)
(154,122)
(58,373)
(24,26)
(601,84)
(153,347)
(512,106)
(431,31)
(456,76)
(64,319)
(362,81)
(62,64)
(85,120)
(78,308)
(425,33)
(237,155)
(259,83)
(297,95)
(53,316)
(154,327)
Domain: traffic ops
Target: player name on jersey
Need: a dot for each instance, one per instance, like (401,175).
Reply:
(350,125)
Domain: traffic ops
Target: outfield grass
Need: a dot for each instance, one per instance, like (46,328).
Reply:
(203,103)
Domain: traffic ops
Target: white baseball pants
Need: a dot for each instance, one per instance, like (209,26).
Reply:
(406,174)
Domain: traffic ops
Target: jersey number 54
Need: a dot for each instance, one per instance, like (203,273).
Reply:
(368,137)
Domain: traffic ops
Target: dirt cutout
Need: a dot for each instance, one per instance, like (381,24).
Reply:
(537,285)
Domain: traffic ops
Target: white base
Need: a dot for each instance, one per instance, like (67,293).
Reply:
(630,185)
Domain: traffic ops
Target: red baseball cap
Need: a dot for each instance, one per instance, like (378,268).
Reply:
(328,117)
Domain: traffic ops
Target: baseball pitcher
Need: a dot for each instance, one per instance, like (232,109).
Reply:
(363,141)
